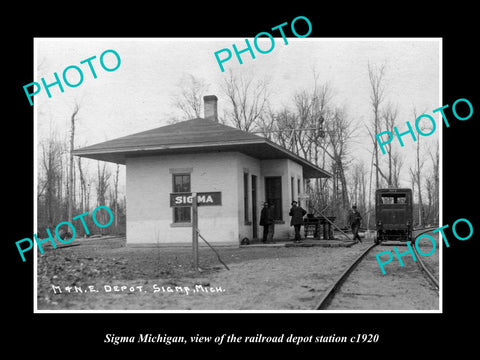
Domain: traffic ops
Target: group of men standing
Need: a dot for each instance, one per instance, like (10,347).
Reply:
(267,220)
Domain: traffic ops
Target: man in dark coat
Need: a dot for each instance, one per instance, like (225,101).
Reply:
(271,222)
(267,216)
(355,219)
(297,213)
(264,221)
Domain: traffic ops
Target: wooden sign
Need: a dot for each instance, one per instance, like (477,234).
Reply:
(203,199)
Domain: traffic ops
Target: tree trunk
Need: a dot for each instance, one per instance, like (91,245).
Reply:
(376,97)
(71,183)
(83,187)
(116,197)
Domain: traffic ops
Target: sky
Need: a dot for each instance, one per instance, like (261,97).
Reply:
(139,95)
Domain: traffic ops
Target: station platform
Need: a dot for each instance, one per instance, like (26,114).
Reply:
(339,240)
(304,243)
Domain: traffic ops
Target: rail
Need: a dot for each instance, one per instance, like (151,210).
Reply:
(327,297)
(424,268)
(329,294)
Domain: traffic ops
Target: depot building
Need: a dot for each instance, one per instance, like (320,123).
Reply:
(232,171)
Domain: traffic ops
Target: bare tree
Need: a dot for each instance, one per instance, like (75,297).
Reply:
(416,179)
(335,145)
(115,199)
(436,174)
(50,182)
(433,186)
(267,124)
(311,109)
(190,99)
(83,185)
(284,133)
(71,180)
(397,164)
(339,132)
(417,174)
(377,95)
(301,130)
(103,176)
(321,133)
(358,188)
(389,118)
(248,99)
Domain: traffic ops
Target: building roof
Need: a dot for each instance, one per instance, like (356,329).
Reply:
(196,135)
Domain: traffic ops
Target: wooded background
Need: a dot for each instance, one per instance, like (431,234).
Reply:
(312,125)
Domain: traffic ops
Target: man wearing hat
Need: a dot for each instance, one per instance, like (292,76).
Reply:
(297,213)
(265,221)
(355,219)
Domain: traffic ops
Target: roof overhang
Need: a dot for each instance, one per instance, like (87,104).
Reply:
(260,148)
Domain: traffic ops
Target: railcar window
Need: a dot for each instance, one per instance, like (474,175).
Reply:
(393,199)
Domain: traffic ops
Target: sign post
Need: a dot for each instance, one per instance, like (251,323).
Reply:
(194,200)
(195,231)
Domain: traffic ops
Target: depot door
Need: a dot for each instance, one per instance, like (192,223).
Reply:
(273,195)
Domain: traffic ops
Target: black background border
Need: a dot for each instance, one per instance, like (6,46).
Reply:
(398,332)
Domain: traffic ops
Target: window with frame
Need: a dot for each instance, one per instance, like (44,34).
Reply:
(181,184)
(393,199)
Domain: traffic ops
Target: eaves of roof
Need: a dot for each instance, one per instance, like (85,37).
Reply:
(182,139)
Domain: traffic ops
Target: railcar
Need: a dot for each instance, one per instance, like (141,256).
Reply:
(393,214)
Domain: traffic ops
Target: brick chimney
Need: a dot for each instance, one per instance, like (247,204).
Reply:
(210,107)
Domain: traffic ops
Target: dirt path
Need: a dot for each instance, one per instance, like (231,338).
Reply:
(275,279)
(109,276)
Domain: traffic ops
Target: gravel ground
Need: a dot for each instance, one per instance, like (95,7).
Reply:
(259,278)
(110,276)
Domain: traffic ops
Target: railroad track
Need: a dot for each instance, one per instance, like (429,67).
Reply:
(422,265)
(328,296)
